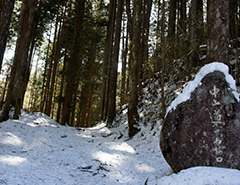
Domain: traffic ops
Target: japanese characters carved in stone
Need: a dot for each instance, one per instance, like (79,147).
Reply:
(204,130)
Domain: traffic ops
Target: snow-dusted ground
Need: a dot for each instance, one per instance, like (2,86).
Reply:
(37,150)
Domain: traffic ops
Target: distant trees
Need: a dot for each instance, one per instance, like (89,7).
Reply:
(78,43)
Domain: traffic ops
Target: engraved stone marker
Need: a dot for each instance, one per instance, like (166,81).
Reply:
(202,126)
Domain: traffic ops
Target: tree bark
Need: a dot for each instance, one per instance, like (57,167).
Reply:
(44,90)
(5,19)
(124,68)
(56,61)
(171,28)
(133,116)
(163,57)
(106,59)
(218,31)
(114,65)
(74,64)
(21,65)
(49,72)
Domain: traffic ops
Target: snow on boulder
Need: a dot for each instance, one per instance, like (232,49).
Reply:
(192,85)
(203,126)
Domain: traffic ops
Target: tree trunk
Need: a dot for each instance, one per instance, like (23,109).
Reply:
(124,69)
(237,50)
(56,61)
(44,90)
(163,57)
(5,19)
(49,73)
(106,59)
(74,64)
(114,65)
(194,55)
(171,28)
(20,70)
(133,116)
(21,65)
(61,90)
(145,35)
(218,31)
(23,72)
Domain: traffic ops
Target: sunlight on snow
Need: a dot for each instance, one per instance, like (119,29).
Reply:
(106,158)
(10,139)
(12,160)
(121,147)
(145,168)
(43,122)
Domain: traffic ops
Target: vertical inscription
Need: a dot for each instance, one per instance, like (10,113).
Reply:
(217,123)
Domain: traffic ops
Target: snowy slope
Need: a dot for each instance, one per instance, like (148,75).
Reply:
(37,150)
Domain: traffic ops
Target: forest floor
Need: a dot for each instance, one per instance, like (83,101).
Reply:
(35,150)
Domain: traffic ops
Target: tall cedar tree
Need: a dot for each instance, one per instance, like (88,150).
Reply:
(106,59)
(21,64)
(73,66)
(218,31)
(6,10)
(49,63)
(197,30)
(163,57)
(133,116)
(114,65)
(171,27)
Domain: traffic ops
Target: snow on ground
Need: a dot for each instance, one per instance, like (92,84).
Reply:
(37,150)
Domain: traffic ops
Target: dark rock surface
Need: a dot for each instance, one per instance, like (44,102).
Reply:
(205,129)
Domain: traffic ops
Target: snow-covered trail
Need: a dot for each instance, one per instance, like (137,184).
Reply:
(37,150)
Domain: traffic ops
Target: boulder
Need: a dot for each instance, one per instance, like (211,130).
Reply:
(202,126)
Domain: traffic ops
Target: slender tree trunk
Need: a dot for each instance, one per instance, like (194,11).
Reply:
(114,65)
(218,31)
(194,56)
(5,19)
(171,28)
(61,90)
(20,70)
(133,116)
(74,64)
(163,57)
(89,106)
(24,71)
(124,69)
(44,90)
(130,57)
(145,35)
(49,73)
(237,50)
(72,117)
(106,59)
(56,61)
(4,92)
(87,93)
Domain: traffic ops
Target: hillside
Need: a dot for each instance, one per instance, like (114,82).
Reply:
(37,150)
